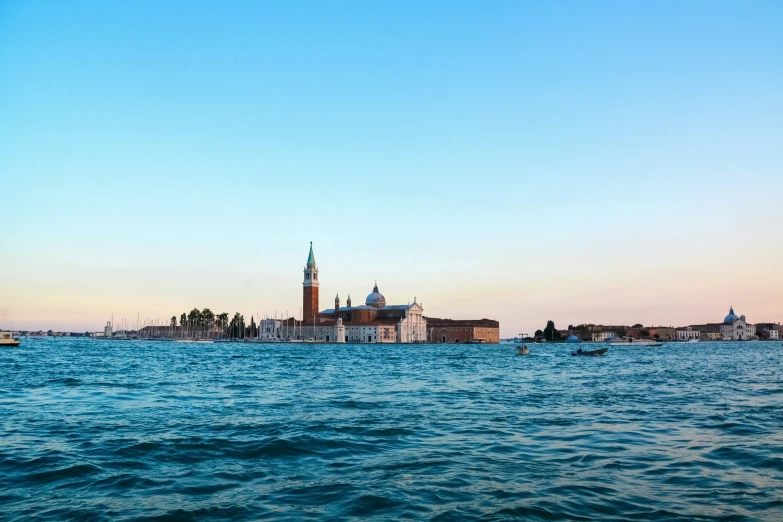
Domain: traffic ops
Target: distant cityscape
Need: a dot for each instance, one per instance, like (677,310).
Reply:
(731,328)
(375,321)
(197,324)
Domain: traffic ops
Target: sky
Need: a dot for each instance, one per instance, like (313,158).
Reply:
(601,162)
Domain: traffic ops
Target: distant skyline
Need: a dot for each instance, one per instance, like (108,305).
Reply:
(601,162)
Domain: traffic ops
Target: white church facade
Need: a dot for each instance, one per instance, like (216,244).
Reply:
(736,328)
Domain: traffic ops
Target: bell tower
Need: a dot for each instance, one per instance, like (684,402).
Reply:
(310,288)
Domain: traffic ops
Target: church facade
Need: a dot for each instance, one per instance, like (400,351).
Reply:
(375,321)
(736,328)
(733,328)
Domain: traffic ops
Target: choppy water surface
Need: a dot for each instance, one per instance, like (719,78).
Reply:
(131,430)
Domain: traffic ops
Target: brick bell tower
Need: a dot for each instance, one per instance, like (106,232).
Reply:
(310,288)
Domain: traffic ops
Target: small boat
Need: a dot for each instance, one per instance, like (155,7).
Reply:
(588,353)
(8,339)
(523,350)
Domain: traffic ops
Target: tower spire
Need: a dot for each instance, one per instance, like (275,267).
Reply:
(311,257)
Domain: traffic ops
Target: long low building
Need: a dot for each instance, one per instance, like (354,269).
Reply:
(462,331)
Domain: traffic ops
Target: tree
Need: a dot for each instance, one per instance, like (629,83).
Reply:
(194,316)
(539,333)
(253,330)
(621,332)
(173,321)
(550,332)
(638,325)
(237,326)
(656,337)
(645,333)
(50,333)
(207,317)
(183,319)
(222,321)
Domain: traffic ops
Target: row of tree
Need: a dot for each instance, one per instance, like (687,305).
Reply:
(549,333)
(206,320)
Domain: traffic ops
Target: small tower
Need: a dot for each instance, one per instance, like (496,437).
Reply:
(348,302)
(310,287)
(336,304)
(339,332)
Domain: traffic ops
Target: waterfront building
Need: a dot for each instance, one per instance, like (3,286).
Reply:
(769,331)
(462,331)
(732,328)
(373,322)
(269,329)
(408,320)
(664,333)
(736,328)
(688,334)
(635,331)
(600,333)
(709,331)
(599,337)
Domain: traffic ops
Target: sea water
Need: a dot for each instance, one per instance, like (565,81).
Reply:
(123,430)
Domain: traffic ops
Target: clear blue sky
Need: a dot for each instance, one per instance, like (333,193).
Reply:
(581,161)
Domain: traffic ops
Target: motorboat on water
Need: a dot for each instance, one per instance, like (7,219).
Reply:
(589,353)
(523,350)
(8,339)
(630,341)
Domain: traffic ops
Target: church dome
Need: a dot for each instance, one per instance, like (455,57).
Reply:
(729,319)
(376,299)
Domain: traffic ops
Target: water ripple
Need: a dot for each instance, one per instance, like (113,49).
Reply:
(166,431)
